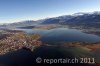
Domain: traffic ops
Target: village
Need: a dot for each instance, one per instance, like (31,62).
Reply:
(17,41)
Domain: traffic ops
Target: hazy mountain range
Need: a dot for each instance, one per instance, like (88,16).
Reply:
(85,19)
(20,24)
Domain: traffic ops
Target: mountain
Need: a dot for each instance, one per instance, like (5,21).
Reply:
(85,19)
(91,19)
(20,24)
(57,20)
(51,21)
(24,23)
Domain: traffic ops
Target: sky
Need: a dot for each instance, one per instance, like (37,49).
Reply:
(19,10)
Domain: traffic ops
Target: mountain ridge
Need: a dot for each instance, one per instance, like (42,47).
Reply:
(85,19)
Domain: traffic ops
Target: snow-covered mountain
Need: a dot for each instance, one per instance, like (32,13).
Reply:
(90,19)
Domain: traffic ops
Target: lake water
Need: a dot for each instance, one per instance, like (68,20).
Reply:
(63,35)
(24,57)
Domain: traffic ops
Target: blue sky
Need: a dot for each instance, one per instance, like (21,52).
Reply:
(18,10)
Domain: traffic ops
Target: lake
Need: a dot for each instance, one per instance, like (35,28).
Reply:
(25,57)
(59,35)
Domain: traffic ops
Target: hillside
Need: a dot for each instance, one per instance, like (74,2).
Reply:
(77,19)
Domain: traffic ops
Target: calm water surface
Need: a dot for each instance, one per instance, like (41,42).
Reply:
(63,35)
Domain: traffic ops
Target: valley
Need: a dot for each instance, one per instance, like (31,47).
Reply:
(19,41)
(58,37)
